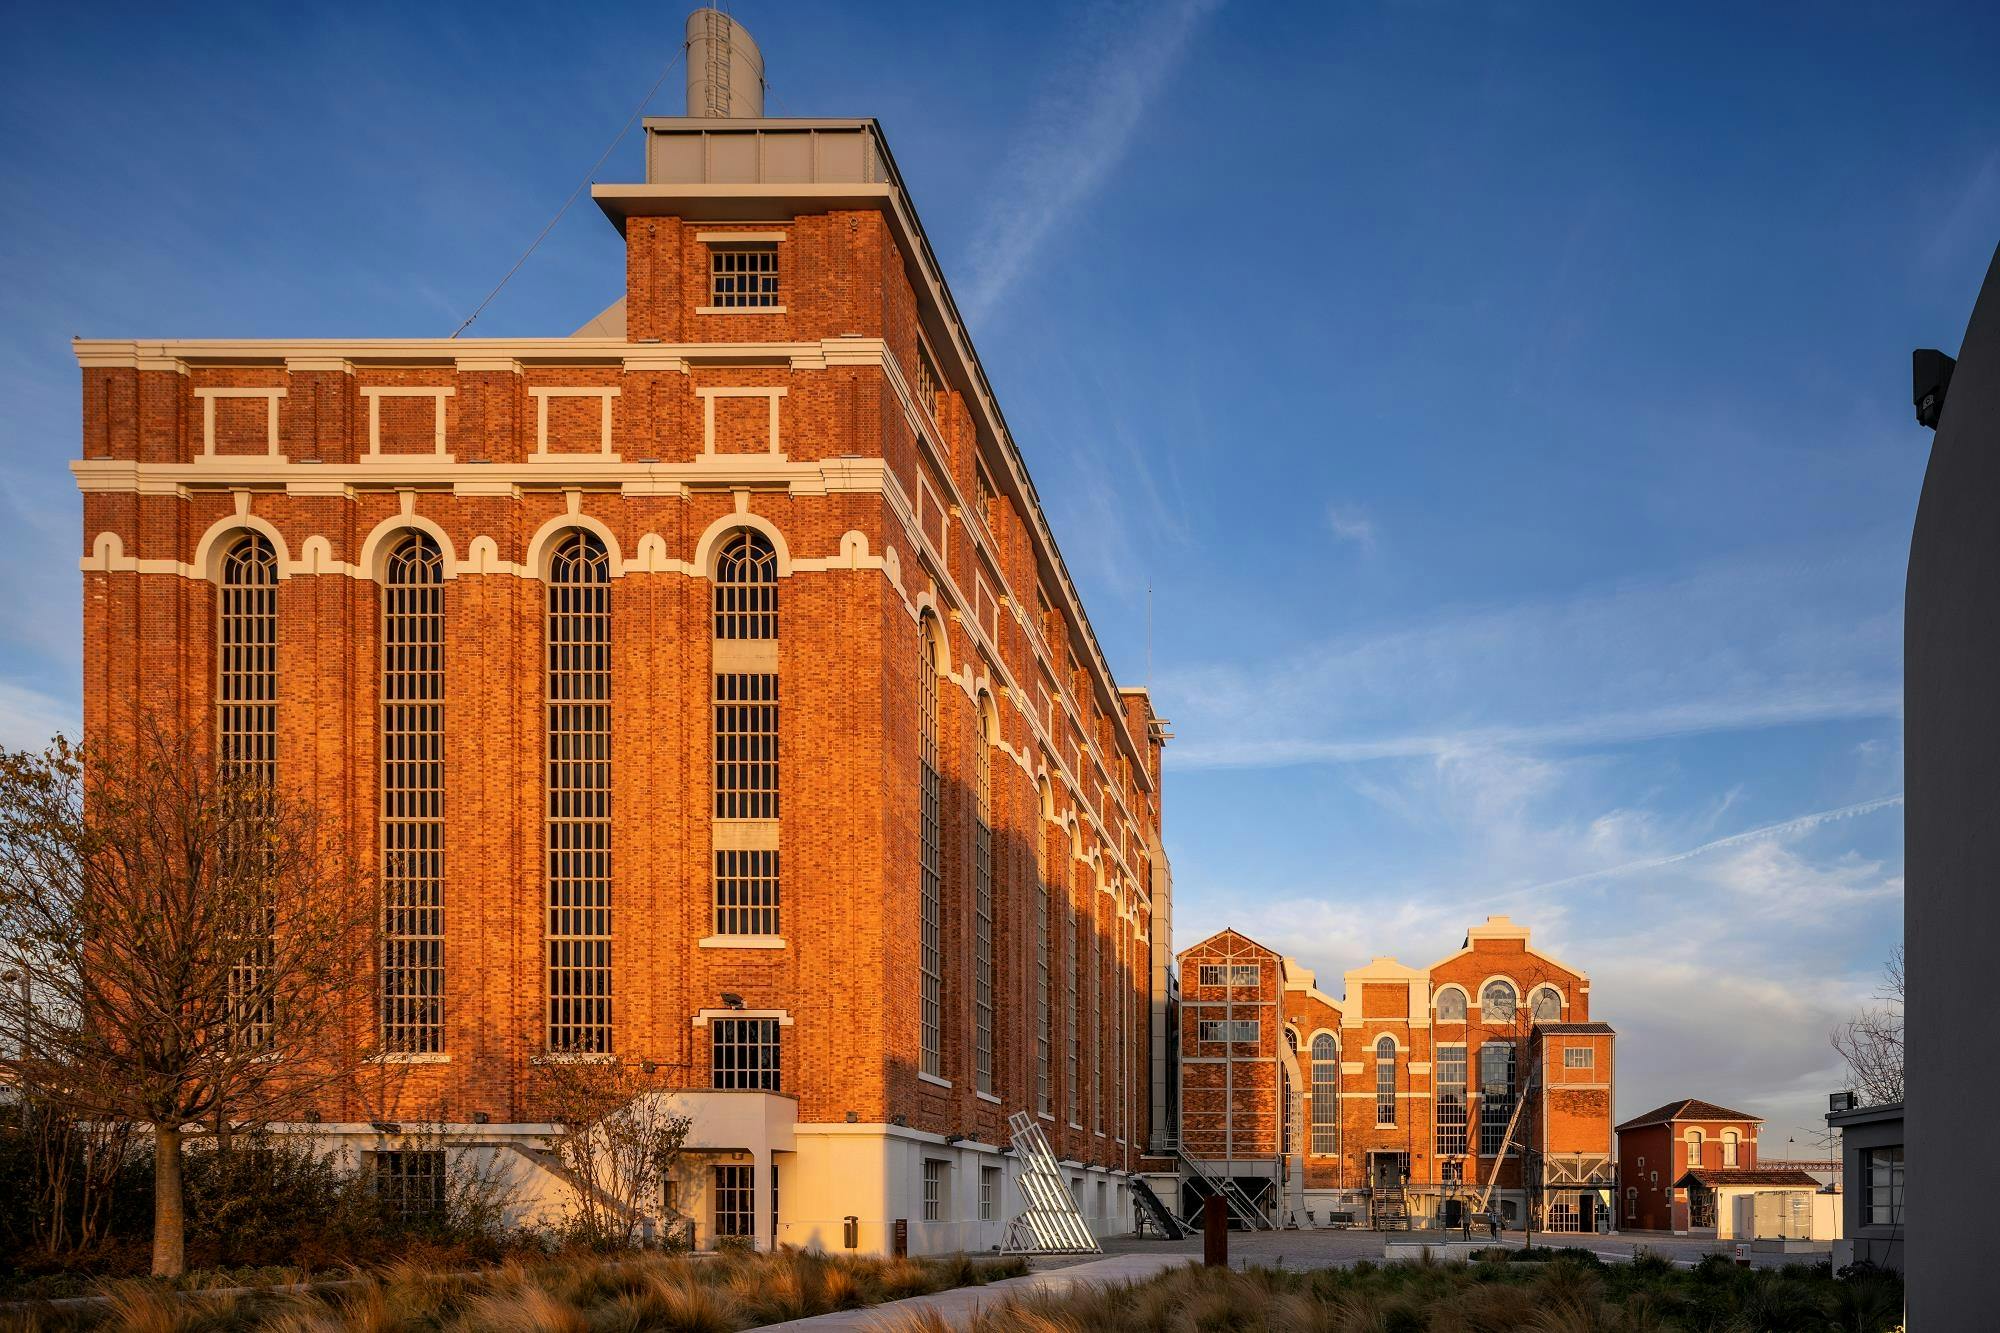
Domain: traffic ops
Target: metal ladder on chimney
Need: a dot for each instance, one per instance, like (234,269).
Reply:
(1051,1223)
(1239,1204)
(718,63)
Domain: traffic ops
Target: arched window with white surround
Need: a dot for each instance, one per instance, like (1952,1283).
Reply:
(1385,1081)
(1547,1005)
(930,858)
(746,587)
(1451,1005)
(578,830)
(246,712)
(1496,1002)
(1325,1096)
(412,814)
(982,898)
(1730,1142)
(1694,1142)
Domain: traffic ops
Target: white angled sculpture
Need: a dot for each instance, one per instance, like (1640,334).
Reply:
(1051,1223)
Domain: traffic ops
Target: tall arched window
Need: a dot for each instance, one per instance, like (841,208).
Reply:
(1451,1005)
(579,795)
(1730,1141)
(413,798)
(1326,1097)
(982,901)
(246,711)
(1547,1005)
(746,587)
(1043,925)
(1098,1026)
(1073,1001)
(930,857)
(745,658)
(1385,1081)
(1448,1085)
(1694,1150)
(1496,1002)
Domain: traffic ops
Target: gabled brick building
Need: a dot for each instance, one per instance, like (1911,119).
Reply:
(1415,1095)
(1657,1149)
(709,685)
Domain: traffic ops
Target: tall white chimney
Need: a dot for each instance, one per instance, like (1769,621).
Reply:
(725,71)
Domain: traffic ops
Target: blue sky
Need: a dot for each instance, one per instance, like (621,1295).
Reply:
(1506,406)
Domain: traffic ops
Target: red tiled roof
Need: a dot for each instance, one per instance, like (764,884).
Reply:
(1689,1108)
(1713,1178)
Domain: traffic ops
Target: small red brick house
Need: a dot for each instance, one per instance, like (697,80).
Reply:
(1657,1149)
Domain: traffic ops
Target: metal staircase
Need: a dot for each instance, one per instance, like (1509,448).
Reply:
(1240,1207)
(1051,1223)
(1388,1210)
(1157,1212)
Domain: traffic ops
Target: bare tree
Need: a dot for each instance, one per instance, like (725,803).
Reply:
(617,1141)
(1872,1041)
(195,943)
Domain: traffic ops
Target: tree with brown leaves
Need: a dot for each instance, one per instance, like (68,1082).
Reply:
(197,944)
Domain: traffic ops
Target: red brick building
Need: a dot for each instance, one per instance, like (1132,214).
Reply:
(709,685)
(1657,1149)
(1418,1094)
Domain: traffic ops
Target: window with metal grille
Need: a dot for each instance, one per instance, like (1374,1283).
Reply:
(1496,1095)
(1451,1006)
(1231,974)
(410,1183)
(989,1193)
(1326,1096)
(1449,1082)
(1072,1009)
(746,892)
(746,745)
(413,798)
(743,1053)
(1385,1082)
(741,276)
(1228,1029)
(982,905)
(246,681)
(1579,1057)
(937,1185)
(735,1191)
(930,384)
(1496,1003)
(930,859)
(1044,924)
(1546,1006)
(579,795)
(1096,1017)
(746,587)
(1884,1168)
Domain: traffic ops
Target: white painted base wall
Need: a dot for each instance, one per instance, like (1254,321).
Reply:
(827,1173)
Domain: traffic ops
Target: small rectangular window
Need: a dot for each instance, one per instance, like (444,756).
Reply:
(1579,1057)
(936,1188)
(746,892)
(742,276)
(743,1053)
(735,1201)
(930,385)
(1231,974)
(410,1183)
(989,1193)
(1239,1029)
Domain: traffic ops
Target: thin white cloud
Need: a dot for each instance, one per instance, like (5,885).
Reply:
(1349,523)
(1080,127)
(1749,644)
(29,718)
(1766,833)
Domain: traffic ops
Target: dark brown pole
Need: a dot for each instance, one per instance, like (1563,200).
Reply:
(1215,1232)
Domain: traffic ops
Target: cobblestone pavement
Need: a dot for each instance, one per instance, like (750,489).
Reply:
(1299,1251)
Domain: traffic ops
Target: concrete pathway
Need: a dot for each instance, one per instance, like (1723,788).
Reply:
(958,1305)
